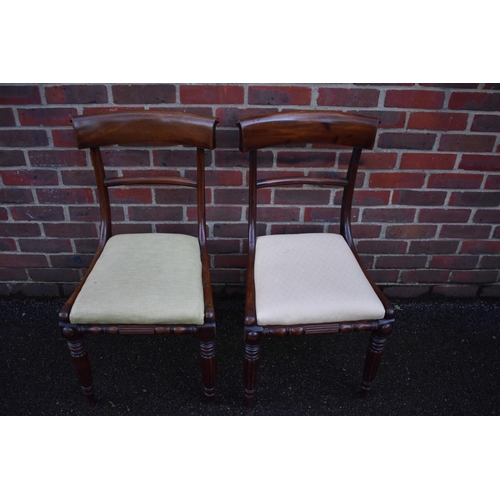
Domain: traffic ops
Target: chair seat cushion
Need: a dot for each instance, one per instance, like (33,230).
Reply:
(311,278)
(144,279)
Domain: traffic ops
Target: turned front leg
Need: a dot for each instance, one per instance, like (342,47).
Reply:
(81,362)
(207,347)
(251,364)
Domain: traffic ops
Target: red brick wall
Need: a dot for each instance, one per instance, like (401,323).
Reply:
(427,216)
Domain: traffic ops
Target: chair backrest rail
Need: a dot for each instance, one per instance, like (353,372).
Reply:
(292,181)
(163,180)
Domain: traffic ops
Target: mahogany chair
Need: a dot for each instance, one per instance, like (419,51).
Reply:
(309,283)
(155,283)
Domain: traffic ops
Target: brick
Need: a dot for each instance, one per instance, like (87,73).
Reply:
(432,247)
(277,214)
(455,181)
(487,216)
(229,115)
(225,275)
(401,261)
(37,213)
(223,246)
(144,94)
(76,94)
(408,140)
(419,198)
(456,290)
(7,245)
(312,196)
(475,199)
(375,247)
(191,229)
(369,198)
(467,142)
(155,213)
(48,117)
(80,177)
(474,276)
(411,231)
(492,182)
(360,231)
(29,177)
(176,196)
(384,275)
(12,274)
(305,159)
(130,195)
(348,97)
(294,228)
(23,260)
(460,231)
(230,230)
(406,291)
(453,262)
(23,138)
(213,94)
(481,101)
(492,86)
(45,245)
(239,196)
(20,229)
(12,158)
(57,158)
(64,138)
(70,229)
(397,180)
(424,276)
(70,261)
(279,95)
(424,99)
(490,291)
(82,213)
(3,213)
(222,177)
(54,275)
(93,111)
(480,162)
(15,195)
(437,121)
(217,213)
(62,196)
(7,118)
(486,123)
(451,85)
(370,160)
(490,262)
(86,245)
(231,261)
(444,215)
(427,161)
(19,94)
(480,247)
(327,215)
(177,158)
(389,214)
(229,139)
(229,159)
(34,289)
(125,157)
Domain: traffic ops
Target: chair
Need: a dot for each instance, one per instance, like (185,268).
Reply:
(155,283)
(309,283)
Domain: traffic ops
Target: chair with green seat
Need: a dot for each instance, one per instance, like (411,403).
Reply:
(154,283)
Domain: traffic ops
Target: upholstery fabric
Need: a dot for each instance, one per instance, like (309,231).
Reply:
(311,278)
(144,279)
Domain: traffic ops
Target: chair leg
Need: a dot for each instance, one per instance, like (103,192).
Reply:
(251,364)
(80,362)
(373,356)
(207,346)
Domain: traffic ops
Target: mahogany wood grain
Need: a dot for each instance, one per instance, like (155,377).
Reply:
(299,127)
(159,128)
(308,127)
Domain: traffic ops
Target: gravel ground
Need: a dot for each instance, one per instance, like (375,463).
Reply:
(442,359)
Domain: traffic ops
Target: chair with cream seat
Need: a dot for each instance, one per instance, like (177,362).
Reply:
(309,283)
(154,283)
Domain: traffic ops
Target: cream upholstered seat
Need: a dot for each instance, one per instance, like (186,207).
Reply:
(144,279)
(310,278)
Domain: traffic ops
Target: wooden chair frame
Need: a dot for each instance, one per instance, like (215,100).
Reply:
(304,127)
(157,128)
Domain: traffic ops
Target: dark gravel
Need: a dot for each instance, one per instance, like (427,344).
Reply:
(442,359)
